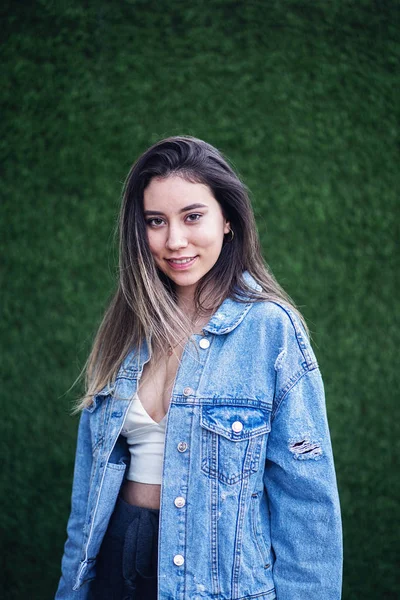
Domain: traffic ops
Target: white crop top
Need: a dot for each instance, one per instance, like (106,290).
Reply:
(146,440)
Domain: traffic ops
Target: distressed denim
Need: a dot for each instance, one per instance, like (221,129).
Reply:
(248,449)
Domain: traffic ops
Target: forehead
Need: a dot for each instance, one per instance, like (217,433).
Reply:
(175,192)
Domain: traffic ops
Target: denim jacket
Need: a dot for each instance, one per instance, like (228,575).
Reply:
(248,448)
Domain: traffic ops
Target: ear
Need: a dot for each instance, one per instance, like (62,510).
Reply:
(227,227)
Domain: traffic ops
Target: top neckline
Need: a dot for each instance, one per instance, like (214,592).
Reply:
(147,414)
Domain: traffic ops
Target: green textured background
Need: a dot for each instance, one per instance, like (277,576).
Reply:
(304,98)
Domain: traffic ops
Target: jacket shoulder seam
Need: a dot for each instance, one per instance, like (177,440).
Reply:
(293,381)
(304,349)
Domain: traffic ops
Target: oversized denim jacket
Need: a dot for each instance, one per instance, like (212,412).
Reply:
(248,448)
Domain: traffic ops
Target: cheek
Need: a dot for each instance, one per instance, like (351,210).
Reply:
(214,236)
(153,243)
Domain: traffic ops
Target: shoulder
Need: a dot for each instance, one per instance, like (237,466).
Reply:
(272,309)
(274,312)
(276,316)
(279,325)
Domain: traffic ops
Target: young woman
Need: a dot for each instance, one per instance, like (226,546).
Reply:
(204,466)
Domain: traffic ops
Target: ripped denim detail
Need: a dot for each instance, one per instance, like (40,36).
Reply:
(303,448)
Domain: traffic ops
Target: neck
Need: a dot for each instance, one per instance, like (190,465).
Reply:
(185,298)
(198,321)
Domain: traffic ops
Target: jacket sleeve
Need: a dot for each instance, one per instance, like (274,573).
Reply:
(303,499)
(75,528)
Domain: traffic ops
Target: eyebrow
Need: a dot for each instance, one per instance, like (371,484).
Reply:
(190,207)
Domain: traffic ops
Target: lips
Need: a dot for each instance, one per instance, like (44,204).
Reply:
(181,263)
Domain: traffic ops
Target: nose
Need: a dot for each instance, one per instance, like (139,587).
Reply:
(176,238)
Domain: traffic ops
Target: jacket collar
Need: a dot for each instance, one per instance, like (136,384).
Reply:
(232,312)
(227,317)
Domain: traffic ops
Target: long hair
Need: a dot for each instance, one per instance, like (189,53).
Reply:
(144,306)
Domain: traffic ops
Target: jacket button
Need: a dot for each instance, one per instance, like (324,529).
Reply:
(178,560)
(182,447)
(187,391)
(237,426)
(204,343)
(179,502)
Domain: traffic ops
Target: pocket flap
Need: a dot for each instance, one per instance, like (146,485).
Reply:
(236,423)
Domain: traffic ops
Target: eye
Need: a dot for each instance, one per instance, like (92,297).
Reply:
(154,222)
(193,217)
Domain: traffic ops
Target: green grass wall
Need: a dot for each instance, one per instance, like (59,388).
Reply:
(303,97)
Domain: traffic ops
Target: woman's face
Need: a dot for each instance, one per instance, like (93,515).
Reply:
(185,229)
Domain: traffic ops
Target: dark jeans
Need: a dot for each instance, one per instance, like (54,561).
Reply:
(126,567)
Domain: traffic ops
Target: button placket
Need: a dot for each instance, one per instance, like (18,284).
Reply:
(177,470)
(180,501)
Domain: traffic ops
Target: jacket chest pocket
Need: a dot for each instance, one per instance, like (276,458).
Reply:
(232,440)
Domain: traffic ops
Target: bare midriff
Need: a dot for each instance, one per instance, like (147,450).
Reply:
(141,494)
